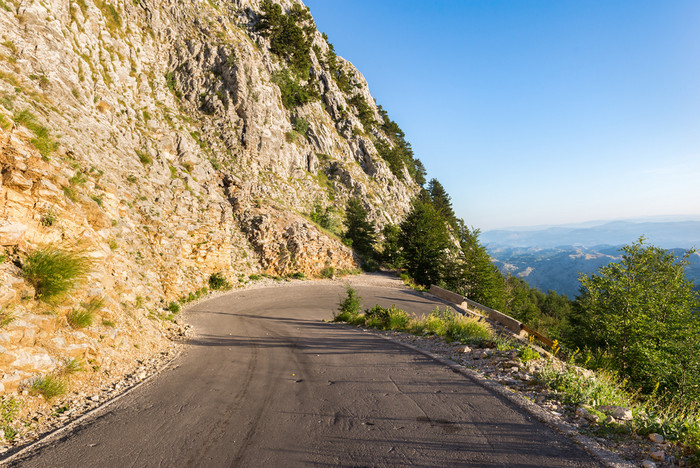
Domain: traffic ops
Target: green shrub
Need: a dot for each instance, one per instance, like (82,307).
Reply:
(325,217)
(328,272)
(464,329)
(54,272)
(348,307)
(173,307)
(364,111)
(297,275)
(376,317)
(578,389)
(144,157)
(293,93)
(288,40)
(387,318)
(8,411)
(291,137)
(300,125)
(171,83)
(527,354)
(80,318)
(49,386)
(218,281)
(48,219)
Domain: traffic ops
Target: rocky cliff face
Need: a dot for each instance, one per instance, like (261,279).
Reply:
(158,138)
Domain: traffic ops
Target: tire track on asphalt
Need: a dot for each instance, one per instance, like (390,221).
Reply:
(219,429)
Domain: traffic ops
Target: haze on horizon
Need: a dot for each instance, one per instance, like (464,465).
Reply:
(535,112)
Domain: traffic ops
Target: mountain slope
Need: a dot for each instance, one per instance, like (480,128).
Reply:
(168,141)
(558,268)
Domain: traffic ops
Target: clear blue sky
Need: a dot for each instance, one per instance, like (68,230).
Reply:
(537,112)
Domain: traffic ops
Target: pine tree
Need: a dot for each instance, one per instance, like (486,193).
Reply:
(481,279)
(391,248)
(441,201)
(425,243)
(360,231)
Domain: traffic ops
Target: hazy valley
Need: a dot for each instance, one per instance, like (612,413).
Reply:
(552,257)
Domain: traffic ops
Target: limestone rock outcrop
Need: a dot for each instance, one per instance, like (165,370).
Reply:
(153,136)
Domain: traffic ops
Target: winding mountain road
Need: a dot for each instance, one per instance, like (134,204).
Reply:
(265,382)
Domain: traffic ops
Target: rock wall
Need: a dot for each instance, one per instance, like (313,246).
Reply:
(151,136)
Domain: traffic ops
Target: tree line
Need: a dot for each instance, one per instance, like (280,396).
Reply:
(639,318)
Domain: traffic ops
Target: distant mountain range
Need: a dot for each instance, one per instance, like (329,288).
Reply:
(676,234)
(552,257)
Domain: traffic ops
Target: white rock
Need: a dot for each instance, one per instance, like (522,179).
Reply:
(659,455)
(618,412)
(11,234)
(648,464)
(582,412)
(35,358)
(656,438)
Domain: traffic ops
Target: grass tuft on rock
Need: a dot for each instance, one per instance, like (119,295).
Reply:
(49,386)
(80,318)
(54,272)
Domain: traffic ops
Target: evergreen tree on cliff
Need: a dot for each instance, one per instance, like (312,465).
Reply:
(481,280)
(442,201)
(360,231)
(425,243)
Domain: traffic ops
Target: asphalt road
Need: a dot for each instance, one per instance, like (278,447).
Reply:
(266,383)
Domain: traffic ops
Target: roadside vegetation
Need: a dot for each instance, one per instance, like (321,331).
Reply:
(49,386)
(593,394)
(9,407)
(452,326)
(217,281)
